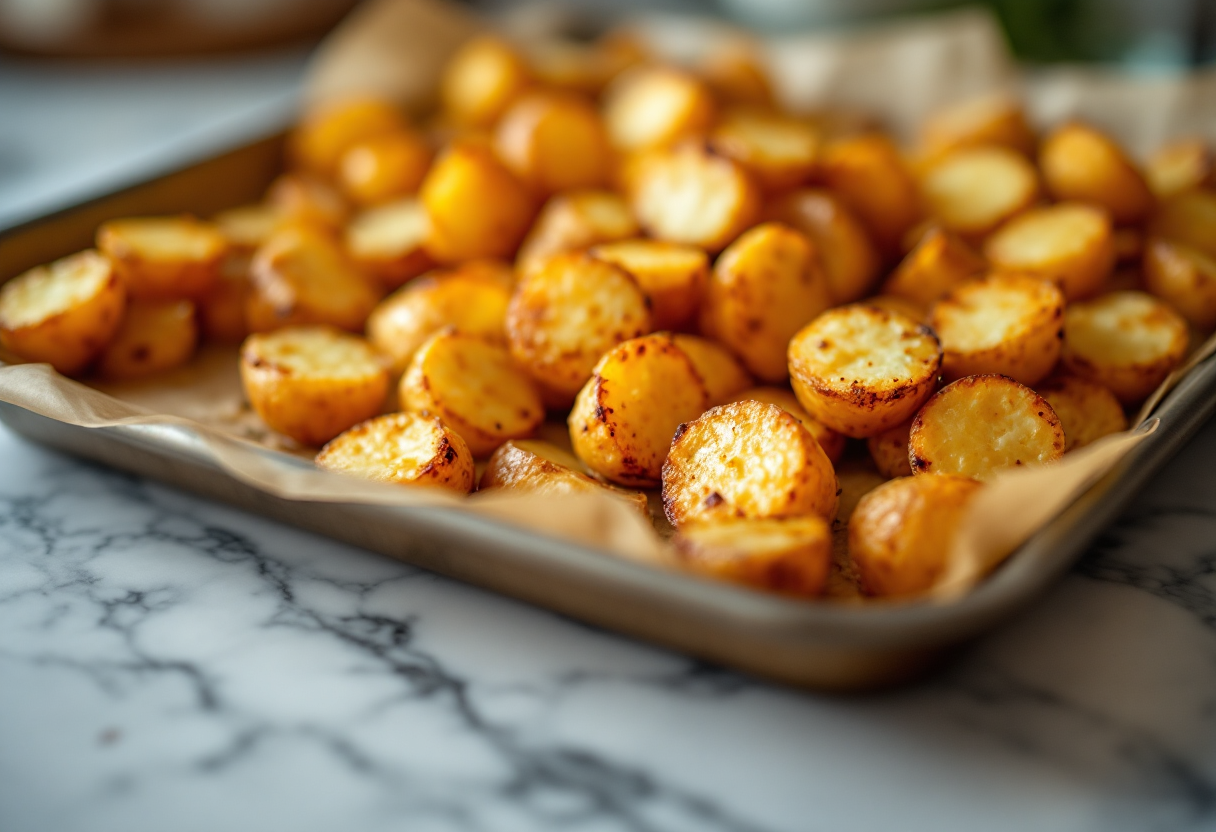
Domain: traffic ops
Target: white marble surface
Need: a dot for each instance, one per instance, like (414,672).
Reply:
(168,664)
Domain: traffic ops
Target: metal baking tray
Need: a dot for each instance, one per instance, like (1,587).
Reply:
(821,645)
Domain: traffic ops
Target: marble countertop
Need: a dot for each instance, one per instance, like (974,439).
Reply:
(169,664)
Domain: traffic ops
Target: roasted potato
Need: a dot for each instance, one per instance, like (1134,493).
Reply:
(1087,410)
(789,556)
(938,263)
(303,277)
(1126,341)
(832,442)
(326,133)
(654,106)
(554,142)
(901,533)
(541,467)
(63,313)
(221,312)
(721,372)
(736,76)
(572,222)
(403,449)
(574,66)
(993,119)
(1185,278)
(567,314)
(1129,245)
(154,336)
(1081,164)
(711,472)
(671,275)
(388,242)
(483,79)
(308,200)
(980,425)
(384,168)
(164,258)
(1070,243)
(779,152)
(845,249)
(860,369)
(1180,166)
(247,226)
(763,288)
(623,419)
(974,189)
(1007,324)
(1188,218)
(474,386)
(868,173)
(900,305)
(889,450)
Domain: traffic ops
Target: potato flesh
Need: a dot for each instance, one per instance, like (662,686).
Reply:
(153,337)
(938,263)
(404,449)
(973,190)
(543,468)
(306,199)
(672,276)
(1087,410)
(1188,218)
(389,240)
(164,258)
(868,173)
(719,370)
(573,221)
(789,557)
(555,143)
(248,226)
(780,152)
(1179,166)
(832,442)
(1069,243)
(995,119)
(655,107)
(844,246)
(482,80)
(1184,277)
(47,291)
(1079,163)
(314,351)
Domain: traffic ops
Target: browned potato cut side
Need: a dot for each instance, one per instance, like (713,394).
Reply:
(868,173)
(844,246)
(247,226)
(1082,164)
(482,80)
(384,168)
(994,119)
(1188,218)
(554,142)
(832,442)
(671,275)
(901,533)
(980,425)
(164,258)
(544,468)
(153,337)
(861,370)
(572,222)
(889,450)
(900,306)
(403,449)
(389,241)
(308,200)
(973,190)
(62,313)
(1069,243)
(1185,278)
(1087,410)
(938,263)
(779,151)
(1180,166)
(711,471)
(788,556)
(327,132)
(720,371)
(651,107)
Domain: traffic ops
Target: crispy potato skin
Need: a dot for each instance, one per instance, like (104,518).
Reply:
(1070,242)
(164,258)
(1081,164)
(633,100)
(972,190)
(532,465)
(939,262)
(868,173)
(1185,278)
(671,275)
(247,226)
(384,168)
(306,199)
(1188,218)
(1087,410)
(860,369)
(388,242)
(623,419)
(986,120)
(787,556)
(67,334)
(719,370)
(712,470)
(403,449)
(483,79)
(979,425)
(555,142)
(326,133)
(312,383)
(848,254)
(889,450)
(153,337)
(901,532)
(832,442)
(763,288)
(572,222)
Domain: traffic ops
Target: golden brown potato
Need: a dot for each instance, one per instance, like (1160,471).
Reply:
(154,336)
(572,66)
(623,419)
(403,449)
(980,425)
(1126,341)
(780,152)
(1081,164)
(901,533)
(554,142)
(312,382)
(326,133)
(388,242)
(477,207)
(845,249)
(1185,278)
(1129,245)
(306,199)
(1087,410)
(832,442)
(860,369)
(572,222)
(221,312)
(63,313)
(247,226)
(689,195)
(736,76)
(868,173)
(544,468)
(1188,218)
(567,314)
(302,277)
(474,386)
(711,472)
(384,168)
(1006,324)
(938,263)
(1180,166)
(721,372)
(974,189)
(671,275)
(889,450)
(653,106)
(1069,243)
(994,119)
(483,79)
(788,556)
(899,305)
(164,258)
(763,288)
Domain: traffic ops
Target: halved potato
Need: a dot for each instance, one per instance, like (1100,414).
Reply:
(993,119)
(1126,341)
(154,336)
(889,450)
(1184,277)
(573,66)
(572,222)
(221,312)
(623,419)
(778,151)
(1070,243)
(312,382)
(389,241)
(737,76)
(901,533)
(789,556)
(1087,410)
(832,442)
(844,246)
(871,177)
(306,199)
(326,133)
(1081,164)
(860,369)
(1189,218)
(763,288)
(62,313)
(384,168)
(1007,324)
(721,372)
(541,467)
(164,258)
(554,142)
(899,305)
(1180,166)
(567,314)
(938,263)
(247,226)
(403,449)
(979,425)
(711,471)
(974,189)
(671,275)
(483,79)
(656,106)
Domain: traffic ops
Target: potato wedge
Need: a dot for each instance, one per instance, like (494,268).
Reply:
(848,255)
(308,200)
(483,79)
(388,242)
(718,368)
(938,263)
(1180,166)
(1185,278)
(544,468)
(871,177)
(326,133)
(164,258)
(1087,410)
(763,289)
(247,226)
(711,472)
(1004,324)
(312,382)
(889,450)
(860,369)
(671,275)
(1082,164)
(554,142)
(993,119)
(655,106)
(779,152)
(980,425)
(1070,243)
(1126,341)
(403,449)
(474,386)
(974,189)
(384,168)
(788,556)
(221,312)
(572,222)
(1188,218)
(567,314)
(623,419)
(832,442)
(154,336)
(901,533)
